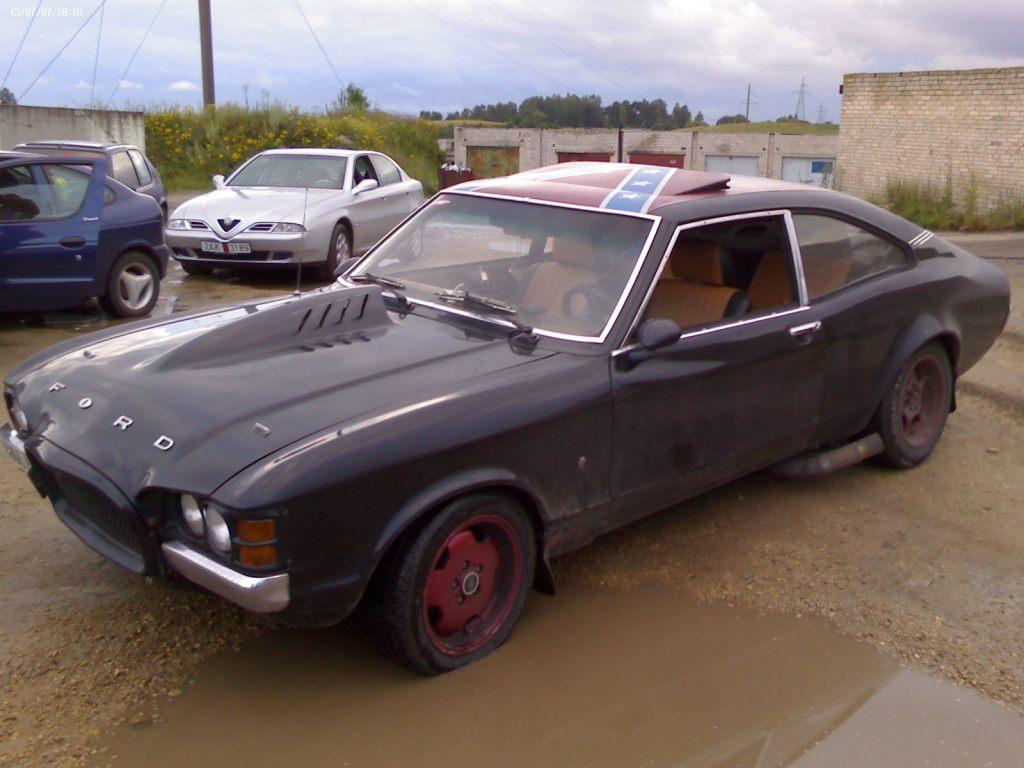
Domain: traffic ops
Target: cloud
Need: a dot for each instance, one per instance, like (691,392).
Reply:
(81,85)
(183,85)
(129,85)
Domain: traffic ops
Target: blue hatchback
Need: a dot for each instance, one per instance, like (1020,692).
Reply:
(69,233)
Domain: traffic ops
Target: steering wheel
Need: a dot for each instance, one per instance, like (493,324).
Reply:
(585,301)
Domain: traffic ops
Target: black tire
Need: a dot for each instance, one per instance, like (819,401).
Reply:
(405,606)
(913,412)
(191,268)
(133,286)
(339,249)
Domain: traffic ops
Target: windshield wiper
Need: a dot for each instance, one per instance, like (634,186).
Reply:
(384,282)
(488,306)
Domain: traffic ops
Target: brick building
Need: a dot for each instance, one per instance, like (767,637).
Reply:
(925,127)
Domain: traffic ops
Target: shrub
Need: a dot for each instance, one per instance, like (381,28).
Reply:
(935,208)
(190,146)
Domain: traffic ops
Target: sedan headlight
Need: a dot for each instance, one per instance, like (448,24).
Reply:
(288,228)
(19,417)
(178,224)
(192,514)
(218,535)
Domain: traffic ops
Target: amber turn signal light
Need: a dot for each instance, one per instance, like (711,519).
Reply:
(256,531)
(257,557)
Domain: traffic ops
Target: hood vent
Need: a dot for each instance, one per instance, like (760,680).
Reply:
(320,319)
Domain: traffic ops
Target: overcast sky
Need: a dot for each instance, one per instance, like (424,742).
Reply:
(445,54)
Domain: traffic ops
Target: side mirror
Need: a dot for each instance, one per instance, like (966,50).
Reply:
(653,335)
(366,185)
(346,265)
(218,181)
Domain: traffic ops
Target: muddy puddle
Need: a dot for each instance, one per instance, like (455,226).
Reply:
(643,677)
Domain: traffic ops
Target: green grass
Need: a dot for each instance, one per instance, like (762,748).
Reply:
(936,207)
(190,146)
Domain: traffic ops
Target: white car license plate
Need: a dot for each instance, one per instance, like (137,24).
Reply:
(209,247)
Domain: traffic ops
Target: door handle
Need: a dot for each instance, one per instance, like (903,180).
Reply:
(806,329)
(90,218)
(73,242)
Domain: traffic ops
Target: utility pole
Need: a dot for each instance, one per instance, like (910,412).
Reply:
(747,113)
(821,112)
(206,53)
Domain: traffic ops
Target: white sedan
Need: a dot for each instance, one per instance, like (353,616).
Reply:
(285,207)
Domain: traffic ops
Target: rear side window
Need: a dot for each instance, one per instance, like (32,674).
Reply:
(67,188)
(123,170)
(387,172)
(140,167)
(836,253)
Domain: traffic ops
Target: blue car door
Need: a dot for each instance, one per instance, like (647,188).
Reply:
(49,232)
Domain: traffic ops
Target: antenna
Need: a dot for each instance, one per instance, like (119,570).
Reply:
(298,272)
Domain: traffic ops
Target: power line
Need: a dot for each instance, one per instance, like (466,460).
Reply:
(62,49)
(483,44)
(31,21)
(136,51)
(319,44)
(548,40)
(96,59)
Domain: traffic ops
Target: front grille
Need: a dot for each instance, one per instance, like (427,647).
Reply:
(198,224)
(263,226)
(112,531)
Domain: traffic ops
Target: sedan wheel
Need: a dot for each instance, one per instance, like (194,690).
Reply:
(133,286)
(913,414)
(339,251)
(452,590)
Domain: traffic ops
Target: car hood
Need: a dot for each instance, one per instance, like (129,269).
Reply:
(253,204)
(186,404)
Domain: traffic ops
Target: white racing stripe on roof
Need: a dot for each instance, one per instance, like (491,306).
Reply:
(657,190)
(921,238)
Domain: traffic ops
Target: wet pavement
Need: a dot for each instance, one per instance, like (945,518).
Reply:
(767,623)
(635,677)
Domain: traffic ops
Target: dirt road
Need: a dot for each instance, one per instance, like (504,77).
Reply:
(677,634)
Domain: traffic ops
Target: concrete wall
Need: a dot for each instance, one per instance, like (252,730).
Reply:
(927,126)
(20,123)
(540,147)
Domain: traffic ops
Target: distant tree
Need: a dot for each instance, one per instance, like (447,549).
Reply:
(7,98)
(354,98)
(426,114)
(731,120)
(681,117)
(699,119)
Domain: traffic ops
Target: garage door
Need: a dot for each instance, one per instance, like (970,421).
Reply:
(809,170)
(488,162)
(741,165)
(666,159)
(588,157)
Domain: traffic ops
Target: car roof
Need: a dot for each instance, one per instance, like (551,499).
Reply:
(74,143)
(317,151)
(13,154)
(627,187)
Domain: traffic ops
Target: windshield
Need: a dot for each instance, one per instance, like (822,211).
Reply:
(561,270)
(313,171)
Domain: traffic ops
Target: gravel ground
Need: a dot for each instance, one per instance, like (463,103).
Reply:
(927,564)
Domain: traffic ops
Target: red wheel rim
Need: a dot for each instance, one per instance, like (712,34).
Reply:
(922,400)
(472,584)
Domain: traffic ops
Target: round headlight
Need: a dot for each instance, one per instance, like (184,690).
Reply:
(20,420)
(192,512)
(217,532)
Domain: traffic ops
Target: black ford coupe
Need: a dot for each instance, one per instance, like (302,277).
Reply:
(524,364)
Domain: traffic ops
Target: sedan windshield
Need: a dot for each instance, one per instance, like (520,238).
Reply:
(556,269)
(312,171)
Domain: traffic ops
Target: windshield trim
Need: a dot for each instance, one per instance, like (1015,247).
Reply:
(360,268)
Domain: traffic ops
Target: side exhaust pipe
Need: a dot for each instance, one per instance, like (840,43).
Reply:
(824,462)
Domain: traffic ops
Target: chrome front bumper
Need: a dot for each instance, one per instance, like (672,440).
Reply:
(15,446)
(259,594)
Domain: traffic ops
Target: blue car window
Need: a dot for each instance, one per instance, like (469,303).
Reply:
(21,199)
(67,187)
